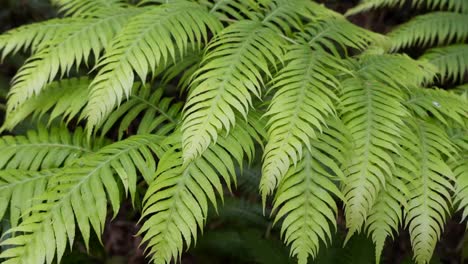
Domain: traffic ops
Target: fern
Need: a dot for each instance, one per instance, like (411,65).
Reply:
(449,5)
(179,97)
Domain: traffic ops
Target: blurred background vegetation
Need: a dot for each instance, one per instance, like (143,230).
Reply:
(239,232)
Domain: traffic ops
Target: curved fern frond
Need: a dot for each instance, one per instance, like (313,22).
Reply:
(431,188)
(305,195)
(148,40)
(449,5)
(176,202)
(231,72)
(79,192)
(42,149)
(231,10)
(72,46)
(85,8)
(335,34)
(156,114)
(17,190)
(438,103)
(428,29)
(305,96)
(32,36)
(451,61)
(65,98)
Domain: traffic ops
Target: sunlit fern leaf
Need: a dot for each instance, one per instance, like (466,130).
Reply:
(429,29)
(305,195)
(65,99)
(371,109)
(85,8)
(438,103)
(79,192)
(231,10)
(335,34)
(450,5)
(17,190)
(431,188)
(232,71)
(386,215)
(73,45)
(155,114)
(305,94)
(32,35)
(459,166)
(176,202)
(42,149)
(451,61)
(149,40)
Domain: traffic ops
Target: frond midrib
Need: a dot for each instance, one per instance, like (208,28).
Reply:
(155,107)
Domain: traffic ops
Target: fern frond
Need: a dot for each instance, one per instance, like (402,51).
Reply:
(17,190)
(231,72)
(429,29)
(451,61)
(32,36)
(72,46)
(156,114)
(176,202)
(335,34)
(305,95)
(65,98)
(42,149)
(85,8)
(148,40)
(231,10)
(430,189)
(305,195)
(79,192)
(449,5)
(438,103)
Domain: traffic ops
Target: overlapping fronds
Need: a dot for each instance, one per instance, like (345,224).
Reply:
(305,95)
(72,45)
(84,8)
(231,10)
(156,114)
(428,29)
(65,99)
(451,61)
(431,188)
(450,5)
(232,71)
(77,197)
(176,202)
(42,149)
(148,40)
(305,196)
(438,103)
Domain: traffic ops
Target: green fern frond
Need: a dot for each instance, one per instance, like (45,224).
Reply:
(438,103)
(32,36)
(79,192)
(428,29)
(17,190)
(156,114)
(65,98)
(333,32)
(451,61)
(42,149)
(431,188)
(305,195)
(231,72)
(86,8)
(176,202)
(143,44)
(231,10)
(305,95)
(449,5)
(73,45)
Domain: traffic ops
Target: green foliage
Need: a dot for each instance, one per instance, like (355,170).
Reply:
(166,102)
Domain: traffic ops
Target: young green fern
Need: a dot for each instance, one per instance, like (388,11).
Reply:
(334,116)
